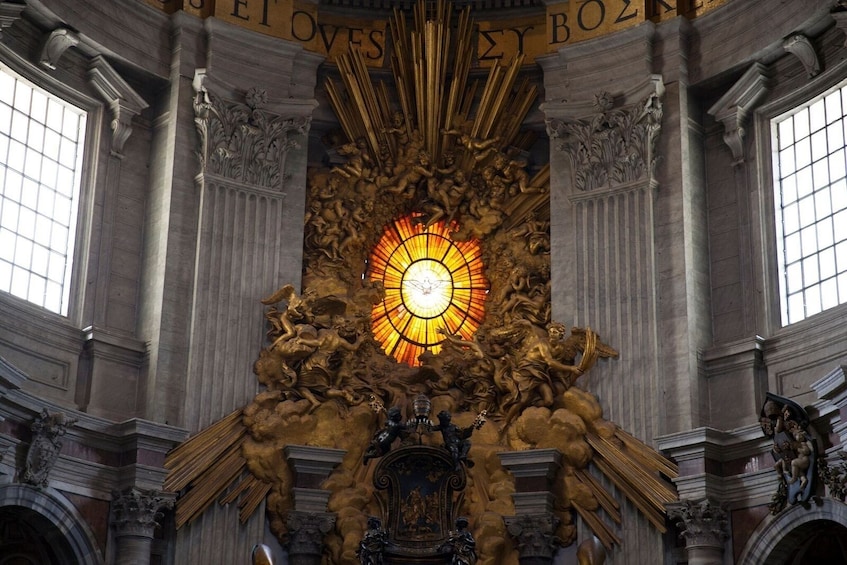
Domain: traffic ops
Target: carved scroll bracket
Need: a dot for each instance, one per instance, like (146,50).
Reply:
(616,144)
(247,141)
(124,103)
(737,104)
(55,45)
(800,46)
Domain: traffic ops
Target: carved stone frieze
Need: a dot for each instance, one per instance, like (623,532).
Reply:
(701,523)
(47,431)
(614,146)
(242,141)
(136,512)
(535,536)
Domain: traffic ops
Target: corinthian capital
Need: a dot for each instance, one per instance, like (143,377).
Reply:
(700,523)
(137,512)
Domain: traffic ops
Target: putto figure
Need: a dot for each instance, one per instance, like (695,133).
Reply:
(372,547)
(382,439)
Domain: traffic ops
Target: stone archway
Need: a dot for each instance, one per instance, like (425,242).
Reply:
(44,517)
(800,536)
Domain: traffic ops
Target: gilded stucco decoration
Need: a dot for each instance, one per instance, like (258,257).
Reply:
(438,149)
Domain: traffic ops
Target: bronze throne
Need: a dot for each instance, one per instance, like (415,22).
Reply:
(419,487)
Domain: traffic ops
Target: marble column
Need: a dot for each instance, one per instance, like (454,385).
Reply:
(704,526)
(134,518)
(534,525)
(309,521)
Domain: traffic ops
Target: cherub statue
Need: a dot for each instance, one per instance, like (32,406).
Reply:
(461,544)
(372,547)
(456,439)
(382,439)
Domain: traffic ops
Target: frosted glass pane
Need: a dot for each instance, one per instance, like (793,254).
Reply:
(53,297)
(17,154)
(22,96)
(70,125)
(48,173)
(820,173)
(54,115)
(62,211)
(23,252)
(20,282)
(40,260)
(52,141)
(7,245)
(57,267)
(825,234)
(786,133)
(839,195)
(813,300)
(823,207)
(9,215)
(786,162)
(841,257)
(790,219)
(794,277)
(839,224)
(19,127)
(59,238)
(32,165)
(67,154)
(801,124)
(833,106)
(12,187)
(826,262)
(792,248)
(836,165)
(26,225)
(35,138)
(65,181)
(818,143)
(46,198)
(43,227)
(803,153)
(834,137)
(811,273)
(5,275)
(38,108)
(807,212)
(36,290)
(7,88)
(5,121)
(817,116)
(829,294)
(789,189)
(29,194)
(804,182)
(796,310)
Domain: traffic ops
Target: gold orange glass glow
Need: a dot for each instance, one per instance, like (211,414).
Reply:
(430,282)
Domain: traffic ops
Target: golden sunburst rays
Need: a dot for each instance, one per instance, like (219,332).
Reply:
(431,284)
(435,103)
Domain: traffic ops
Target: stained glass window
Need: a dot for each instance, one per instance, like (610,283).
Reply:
(431,283)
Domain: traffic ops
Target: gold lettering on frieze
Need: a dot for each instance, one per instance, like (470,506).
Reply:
(496,40)
(500,41)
